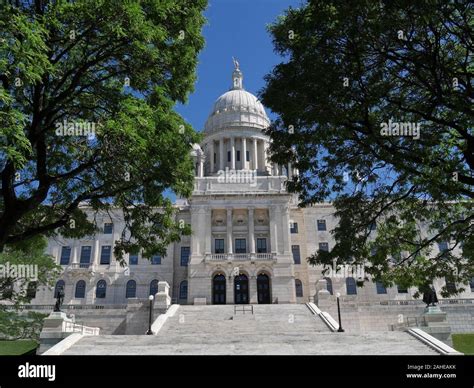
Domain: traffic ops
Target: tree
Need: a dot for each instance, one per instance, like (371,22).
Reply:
(87,91)
(23,268)
(354,74)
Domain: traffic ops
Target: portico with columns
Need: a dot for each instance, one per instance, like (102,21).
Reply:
(240,245)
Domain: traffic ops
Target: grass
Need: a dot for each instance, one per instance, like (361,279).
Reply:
(464,343)
(16,348)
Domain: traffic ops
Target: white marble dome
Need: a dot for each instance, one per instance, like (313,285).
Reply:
(237,108)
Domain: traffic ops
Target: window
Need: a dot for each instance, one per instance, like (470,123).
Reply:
(101,289)
(228,156)
(184,256)
(450,286)
(261,245)
(131,289)
(238,156)
(156,260)
(298,288)
(80,290)
(153,287)
(108,228)
(351,286)
(321,225)
(105,254)
(215,158)
(295,249)
(219,245)
(248,156)
(293,227)
(31,290)
(324,246)
(329,285)
(240,245)
(85,256)
(7,292)
(183,290)
(133,259)
(380,288)
(443,246)
(402,290)
(65,255)
(471,284)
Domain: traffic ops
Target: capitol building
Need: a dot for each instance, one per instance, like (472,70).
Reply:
(249,240)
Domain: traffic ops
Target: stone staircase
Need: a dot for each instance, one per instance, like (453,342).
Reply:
(273,329)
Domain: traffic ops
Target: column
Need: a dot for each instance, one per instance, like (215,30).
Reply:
(95,258)
(244,153)
(285,225)
(229,231)
(211,151)
(290,171)
(232,153)
(251,231)
(265,155)
(208,230)
(195,238)
(221,154)
(75,252)
(273,230)
(255,154)
(201,165)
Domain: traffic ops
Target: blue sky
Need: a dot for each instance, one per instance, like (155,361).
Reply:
(234,28)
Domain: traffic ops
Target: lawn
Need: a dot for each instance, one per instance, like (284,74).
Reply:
(16,348)
(464,343)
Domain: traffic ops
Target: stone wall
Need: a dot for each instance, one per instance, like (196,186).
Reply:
(360,317)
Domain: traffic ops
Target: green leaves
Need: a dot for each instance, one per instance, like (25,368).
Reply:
(353,68)
(116,69)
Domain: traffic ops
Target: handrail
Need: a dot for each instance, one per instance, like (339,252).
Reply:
(243,309)
(79,266)
(72,327)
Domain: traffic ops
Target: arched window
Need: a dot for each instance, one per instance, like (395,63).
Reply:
(31,290)
(183,290)
(80,289)
(131,289)
(329,285)
(101,289)
(298,288)
(7,292)
(351,286)
(380,288)
(153,287)
(450,286)
(59,284)
(402,290)
(471,283)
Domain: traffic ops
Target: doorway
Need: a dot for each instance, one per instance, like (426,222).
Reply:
(241,289)
(263,289)
(218,289)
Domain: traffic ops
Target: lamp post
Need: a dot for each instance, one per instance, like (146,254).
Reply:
(340,330)
(149,332)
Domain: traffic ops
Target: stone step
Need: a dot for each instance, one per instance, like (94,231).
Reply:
(389,343)
(272,329)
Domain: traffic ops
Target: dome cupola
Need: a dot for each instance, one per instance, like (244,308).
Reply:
(236,108)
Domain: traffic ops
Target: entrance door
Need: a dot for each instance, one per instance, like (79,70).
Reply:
(241,289)
(218,289)
(263,289)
